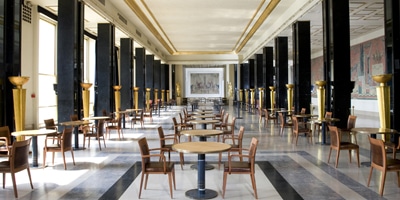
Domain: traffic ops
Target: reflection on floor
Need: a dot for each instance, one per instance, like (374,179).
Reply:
(283,171)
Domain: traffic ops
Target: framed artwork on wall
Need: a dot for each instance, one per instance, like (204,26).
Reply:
(204,82)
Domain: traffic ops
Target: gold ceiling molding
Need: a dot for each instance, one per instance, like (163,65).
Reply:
(271,6)
(202,52)
(136,9)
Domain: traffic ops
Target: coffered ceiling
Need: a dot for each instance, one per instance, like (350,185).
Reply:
(220,31)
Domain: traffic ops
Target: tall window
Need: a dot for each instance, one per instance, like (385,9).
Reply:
(47,71)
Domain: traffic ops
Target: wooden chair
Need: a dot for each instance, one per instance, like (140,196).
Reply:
(116,127)
(338,145)
(284,124)
(380,162)
(236,143)
(75,117)
(64,145)
(96,131)
(49,124)
(223,124)
(268,117)
(164,147)
(148,113)
(229,130)
(299,129)
(242,167)
(137,118)
(177,130)
(5,140)
(155,167)
(18,160)
(185,124)
(317,126)
(351,123)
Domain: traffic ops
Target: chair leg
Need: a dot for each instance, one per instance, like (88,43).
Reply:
(145,181)
(182,159)
(170,183)
(44,158)
(14,185)
(29,175)
(369,177)
(219,159)
(382,186)
(224,184)
(141,184)
(173,176)
(65,164)
(104,141)
(358,157)
(4,180)
(329,156)
(72,154)
(253,182)
(350,156)
(337,158)
(98,140)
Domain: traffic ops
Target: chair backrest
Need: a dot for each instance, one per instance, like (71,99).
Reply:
(74,117)
(378,152)
(104,112)
(252,151)
(161,136)
(226,117)
(49,124)
(328,115)
(144,151)
(240,136)
(20,155)
(233,123)
(5,132)
(176,127)
(100,128)
(182,120)
(295,123)
(303,111)
(66,139)
(351,121)
(335,138)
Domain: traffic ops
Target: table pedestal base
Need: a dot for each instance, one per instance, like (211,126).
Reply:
(207,167)
(197,194)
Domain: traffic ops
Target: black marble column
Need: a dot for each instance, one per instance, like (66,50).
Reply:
(281,60)
(140,60)
(126,73)
(244,76)
(336,27)
(149,70)
(260,73)
(105,72)
(69,59)
(157,78)
(235,84)
(392,45)
(302,65)
(10,57)
(268,62)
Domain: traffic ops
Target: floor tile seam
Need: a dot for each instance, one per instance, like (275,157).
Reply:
(341,177)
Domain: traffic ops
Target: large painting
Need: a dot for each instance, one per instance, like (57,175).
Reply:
(204,82)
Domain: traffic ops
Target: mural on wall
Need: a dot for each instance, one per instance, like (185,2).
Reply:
(366,59)
(204,83)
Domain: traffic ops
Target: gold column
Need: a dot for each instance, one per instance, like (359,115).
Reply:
(252,94)
(246,96)
(260,98)
(290,96)
(117,97)
(167,96)
(136,97)
(272,96)
(148,98)
(321,98)
(19,95)
(240,95)
(162,97)
(86,98)
(383,93)
(155,95)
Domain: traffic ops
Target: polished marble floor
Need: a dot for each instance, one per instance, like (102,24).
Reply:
(283,170)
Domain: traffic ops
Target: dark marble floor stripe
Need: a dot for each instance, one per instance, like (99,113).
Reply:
(119,187)
(284,189)
(361,189)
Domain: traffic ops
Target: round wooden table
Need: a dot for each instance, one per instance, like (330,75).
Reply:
(202,134)
(201,148)
(75,124)
(34,134)
(204,122)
